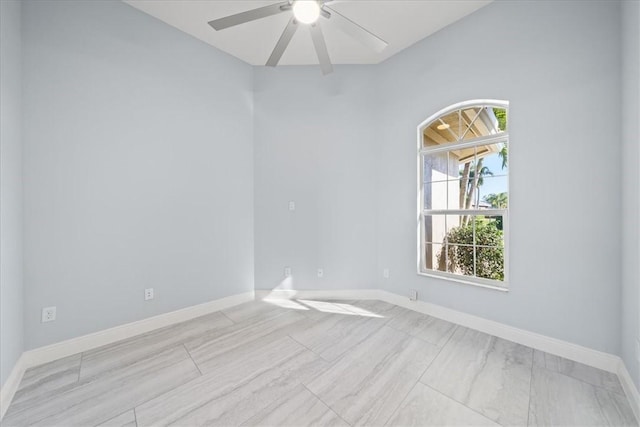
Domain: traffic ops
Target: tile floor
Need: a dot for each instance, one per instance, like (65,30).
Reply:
(306,362)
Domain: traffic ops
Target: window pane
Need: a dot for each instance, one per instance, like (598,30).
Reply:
(493,193)
(465,245)
(465,124)
(435,167)
(501,116)
(495,158)
(489,247)
(487,230)
(434,228)
(474,123)
(490,262)
(460,259)
(435,195)
(444,130)
(456,234)
(477,176)
(453,194)
(434,256)
(482,121)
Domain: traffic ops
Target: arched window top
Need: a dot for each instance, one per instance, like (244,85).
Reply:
(463,194)
(465,121)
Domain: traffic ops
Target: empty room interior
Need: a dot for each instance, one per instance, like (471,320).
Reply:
(314,212)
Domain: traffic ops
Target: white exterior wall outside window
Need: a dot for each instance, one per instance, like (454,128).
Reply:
(463,194)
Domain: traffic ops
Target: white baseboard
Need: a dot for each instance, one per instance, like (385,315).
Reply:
(575,352)
(87,342)
(629,388)
(11,385)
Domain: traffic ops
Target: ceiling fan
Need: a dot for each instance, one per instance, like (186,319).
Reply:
(304,13)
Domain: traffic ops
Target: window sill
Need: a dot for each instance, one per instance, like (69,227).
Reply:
(469,281)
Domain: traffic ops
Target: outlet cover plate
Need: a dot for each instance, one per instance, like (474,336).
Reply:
(148,294)
(48,314)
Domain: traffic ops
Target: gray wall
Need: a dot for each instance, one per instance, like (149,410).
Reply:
(631,187)
(352,170)
(563,81)
(139,167)
(314,144)
(11,291)
(137,171)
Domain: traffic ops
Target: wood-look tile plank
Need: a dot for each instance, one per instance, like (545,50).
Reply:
(278,367)
(368,383)
(427,407)
(96,401)
(47,378)
(588,374)
(430,329)
(560,400)
(485,373)
(376,308)
(257,354)
(126,419)
(333,335)
(253,310)
(298,408)
(240,404)
(319,309)
(114,356)
(244,336)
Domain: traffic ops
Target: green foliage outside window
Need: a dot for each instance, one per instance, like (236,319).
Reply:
(501,115)
(489,247)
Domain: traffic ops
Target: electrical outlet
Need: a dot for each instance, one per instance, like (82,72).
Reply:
(320,273)
(413,295)
(385,273)
(292,205)
(287,272)
(148,294)
(48,314)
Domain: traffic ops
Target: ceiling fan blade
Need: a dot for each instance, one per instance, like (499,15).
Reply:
(250,15)
(321,48)
(361,34)
(282,44)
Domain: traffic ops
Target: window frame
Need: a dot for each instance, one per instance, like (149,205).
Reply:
(500,285)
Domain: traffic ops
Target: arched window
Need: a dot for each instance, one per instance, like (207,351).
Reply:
(464,194)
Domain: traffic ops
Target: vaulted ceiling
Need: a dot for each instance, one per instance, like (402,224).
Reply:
(399,22)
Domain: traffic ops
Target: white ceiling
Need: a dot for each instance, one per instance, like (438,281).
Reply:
(399,22)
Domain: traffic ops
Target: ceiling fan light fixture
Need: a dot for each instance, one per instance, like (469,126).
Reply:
(306,11)
(443,126)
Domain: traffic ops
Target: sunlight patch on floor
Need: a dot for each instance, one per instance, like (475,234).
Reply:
(286,303)
(321,306)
